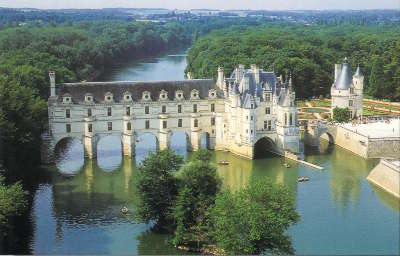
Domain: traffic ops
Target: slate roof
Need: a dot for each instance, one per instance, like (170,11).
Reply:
(343,82)
(358,72)
(99,89)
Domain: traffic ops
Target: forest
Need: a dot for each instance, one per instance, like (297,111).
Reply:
(308,52)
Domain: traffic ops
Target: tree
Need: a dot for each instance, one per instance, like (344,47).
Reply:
(199,186)
(12,201)
(341,115)
(254,219)
(158,187)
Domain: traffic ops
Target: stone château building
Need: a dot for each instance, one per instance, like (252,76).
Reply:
(347,92)
(235,114)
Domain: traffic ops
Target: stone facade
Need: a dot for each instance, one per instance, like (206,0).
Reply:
(234,113)
(347,92)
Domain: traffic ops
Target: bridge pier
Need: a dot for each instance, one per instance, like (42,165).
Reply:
(163,139)
(128,144)
(90,145)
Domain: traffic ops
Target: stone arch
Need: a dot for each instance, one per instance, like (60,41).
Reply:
(109,151)
(327,136)
(145,142)
(179,141)
(265,147)
(68,153)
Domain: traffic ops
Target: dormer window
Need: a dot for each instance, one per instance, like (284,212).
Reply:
(108,97)
(146,96)
(163,95)
(88,97)
(179,95)
(194,94)
(127,96)
(67,98)
(212,94)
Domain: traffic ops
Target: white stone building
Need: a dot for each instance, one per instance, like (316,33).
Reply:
(347,92)
(250,108)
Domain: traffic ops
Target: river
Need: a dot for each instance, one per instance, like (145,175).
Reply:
(76,208)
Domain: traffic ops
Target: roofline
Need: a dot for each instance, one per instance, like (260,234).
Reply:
(136,82)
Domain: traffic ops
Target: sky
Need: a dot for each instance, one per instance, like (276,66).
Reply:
(210,4)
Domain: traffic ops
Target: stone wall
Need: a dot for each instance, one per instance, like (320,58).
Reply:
(387,176)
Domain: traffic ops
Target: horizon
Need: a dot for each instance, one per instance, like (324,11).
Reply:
(218,5)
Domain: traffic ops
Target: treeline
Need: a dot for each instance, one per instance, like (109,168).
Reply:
(186,200)
(76,52)
(308,52)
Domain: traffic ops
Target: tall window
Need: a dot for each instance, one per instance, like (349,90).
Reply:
(212,120)
(146,110)
(128,111)
(267,111)
(67,113)
(350,103)
(128,126)
(164,109)
(68,127)
(179,122)
(90,127)
(109,112)
(351,90)
(269,125)
(194,108)
(89,112)
(109,126)
(212,107)
(179,108)
(164,124)
(265,125)
(147,124)
(285,118)
(196,123)
(290,119)
(267,97)
(252,106)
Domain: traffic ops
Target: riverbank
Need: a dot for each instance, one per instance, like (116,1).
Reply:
(387,176)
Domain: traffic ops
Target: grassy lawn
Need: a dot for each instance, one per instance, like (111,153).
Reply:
(314,110)
(369,112)
(306,116)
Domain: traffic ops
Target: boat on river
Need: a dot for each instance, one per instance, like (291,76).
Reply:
(303,178)
(223,162)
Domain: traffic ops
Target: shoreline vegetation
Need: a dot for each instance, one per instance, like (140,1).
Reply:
(187,200)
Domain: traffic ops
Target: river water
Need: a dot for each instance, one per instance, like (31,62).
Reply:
(77,209)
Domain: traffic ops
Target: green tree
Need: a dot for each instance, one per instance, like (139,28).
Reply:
(13,200)
(199,186)
(254,219)
(157,187)
(341,115)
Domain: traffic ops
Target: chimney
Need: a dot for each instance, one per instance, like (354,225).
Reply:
(52,76)
(256,72)
(338,69)
(220,80)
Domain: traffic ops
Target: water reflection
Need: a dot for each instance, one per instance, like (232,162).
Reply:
(170,67)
